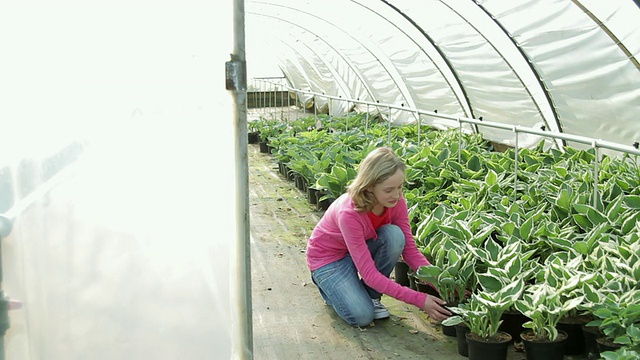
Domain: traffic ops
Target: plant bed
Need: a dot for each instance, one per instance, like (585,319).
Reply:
(466,213)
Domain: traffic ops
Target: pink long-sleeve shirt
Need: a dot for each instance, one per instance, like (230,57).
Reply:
(343,230)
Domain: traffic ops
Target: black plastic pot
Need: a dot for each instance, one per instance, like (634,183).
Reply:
(323,205)
(301,182)
(449,331)
(544,350)
(422,287)
(591,334)
(512,323)
(488,349)
(312,196)
(400,272)
(575,340)
(461,336)
(263,147)
(605,344)
(252,137)
(412,280)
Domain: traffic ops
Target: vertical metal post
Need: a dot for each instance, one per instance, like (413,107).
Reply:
(595,173)
(263,97)
(304,106)
(282,104)
(288,105)
(515,170)
(419,121)
(315,109)
(366,120)
(347,117)
(241,323)
(389,125)
(459,141)
(275,99)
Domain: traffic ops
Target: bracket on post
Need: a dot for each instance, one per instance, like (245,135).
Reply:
(236,74)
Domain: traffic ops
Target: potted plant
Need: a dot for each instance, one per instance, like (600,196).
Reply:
(482,314)
(450,274)
(505,264)
(543,304)
(566,274)
(618,317)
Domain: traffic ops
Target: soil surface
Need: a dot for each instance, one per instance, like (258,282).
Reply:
(290,320)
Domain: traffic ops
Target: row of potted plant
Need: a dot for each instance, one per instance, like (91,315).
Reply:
(574,247)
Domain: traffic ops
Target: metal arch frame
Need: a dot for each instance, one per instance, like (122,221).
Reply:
(344,58)
(297,68)
(531,66)
(550,108)
(529,61)
(344,88)
(609,33)
(459,89)
(386,64)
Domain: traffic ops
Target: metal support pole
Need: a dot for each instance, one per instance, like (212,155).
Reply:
(241,322)
(315,109)
(288,105)
(419,121)
(262,97)
(347,120)
(275,101)
(459,141)
(389,125)
(595,174)
(515,170)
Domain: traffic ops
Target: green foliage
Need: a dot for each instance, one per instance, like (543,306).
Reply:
(545,306)
(482,313)
(478,223)
(618,317)
(621,354)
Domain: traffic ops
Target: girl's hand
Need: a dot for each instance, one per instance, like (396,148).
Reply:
(434,307)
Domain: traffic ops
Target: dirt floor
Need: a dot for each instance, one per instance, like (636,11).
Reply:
(290,320)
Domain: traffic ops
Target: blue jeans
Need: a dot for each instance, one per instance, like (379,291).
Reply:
(341,286)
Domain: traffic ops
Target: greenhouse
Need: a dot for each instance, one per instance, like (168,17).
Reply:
(171,173)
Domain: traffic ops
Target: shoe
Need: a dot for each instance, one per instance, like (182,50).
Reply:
(379,311)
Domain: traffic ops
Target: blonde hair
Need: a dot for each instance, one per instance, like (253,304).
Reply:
(379,165)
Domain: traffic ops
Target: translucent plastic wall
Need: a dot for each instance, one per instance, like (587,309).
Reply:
(129,255)
(565,66)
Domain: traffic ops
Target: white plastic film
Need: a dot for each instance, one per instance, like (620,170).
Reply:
(130,255)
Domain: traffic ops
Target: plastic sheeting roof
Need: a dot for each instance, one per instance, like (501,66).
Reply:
(571,66)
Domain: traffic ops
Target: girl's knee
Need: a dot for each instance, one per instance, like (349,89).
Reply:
(392,235)
(357,312)
(361,319)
